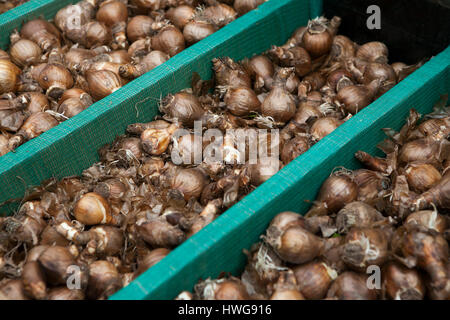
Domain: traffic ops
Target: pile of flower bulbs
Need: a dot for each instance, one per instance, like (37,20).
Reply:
(126,212)
(55,70)
(6,5)
(380,232)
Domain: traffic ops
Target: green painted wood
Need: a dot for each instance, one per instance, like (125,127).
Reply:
(315,8)
(218,247)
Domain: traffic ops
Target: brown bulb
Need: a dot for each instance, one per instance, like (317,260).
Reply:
(12,289)
(4,145)
(38,102)
(351,286)
(110,240)
(112,12)
(422,176)
(382,71)
(160,234)
(314,279)
(72,93)
(307,110)
(356,214)
(339,79)
(342,48)
(9,76)
(55,79)
(111,188)
(283,221)
(70,18)
(42,32)
(34,280)
(296,39)
(148,63)
(35,252)
(131,148)
(317,40)
(154,59)
(139,27)
(140,48)
(96,34)
(25,53)
(169,40)
(151,259)
(147,5)
(64,293)
(230,73)
(51,237)
(151,166)
(296,245)
(156,141)
(428,251)
(279,105)
(55,262)
(262,69)
(71,107)
(286,287)
(119,56)
(222,289)
(197,30)
(334,194)
(420,150)
(190,182)
(76,56)
(372,185)
(429,219)
(264,169)
(37,124)
(435,128)
(4,55)
(400,283)
(228,290)
(294,148)
(364,247)
(104,280)
(323,127)
(373,52)
(244,6)
(102,83)
(220,14)
(311,83)
(183,106)
(92,209)
(296,57)
(354,98)
(180,15)
(241,101)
